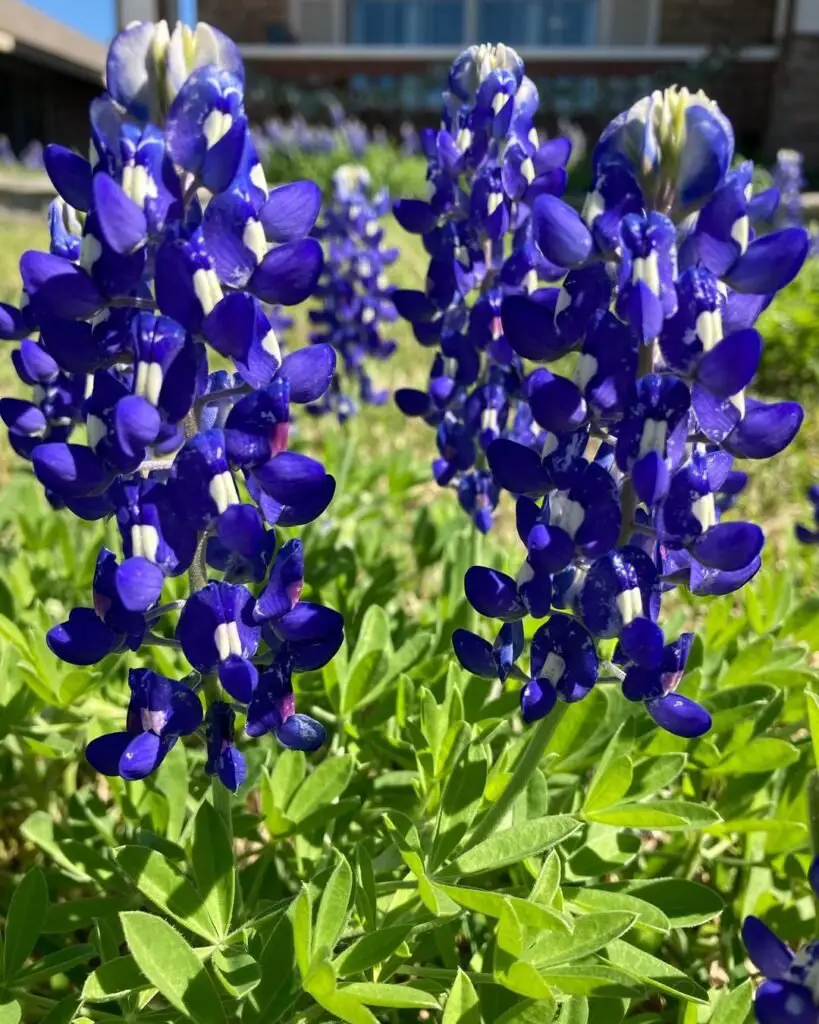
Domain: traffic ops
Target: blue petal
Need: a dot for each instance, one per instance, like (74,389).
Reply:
(289,273)
(291,210)
(560,233)
(300,732)
(770,262)
(309,372)
(474,653)
(139,583)
(104,753)
(122,223)
(768,951)
(679,715)
(70,174)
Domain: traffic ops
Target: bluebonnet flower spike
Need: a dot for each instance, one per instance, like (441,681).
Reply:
(166,250)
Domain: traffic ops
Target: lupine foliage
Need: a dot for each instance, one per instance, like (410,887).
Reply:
(432,861)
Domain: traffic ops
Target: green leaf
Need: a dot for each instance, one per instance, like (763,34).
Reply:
(671,815)
(529,1011)
(288,774)
(113,980)
(802,625)
(762,755)
(10,1013)
(462,1006)
(656,773)
(734,1007)
(514,844)
(55,963)
(166,887)
(171,966)
(364,679)
(213,866)
(574,1011)
(25,920)
(333,911)
(62,918)
(592,900)
(279,978)
(237,970)
(301,914)
(326,783)
(484,901)
(591,979)
(399,997)
(657,973)
(610,784)
(172,781)
(461,802)
(813,721)
(370,949)
(686,904)
(63,1012)
(591,932)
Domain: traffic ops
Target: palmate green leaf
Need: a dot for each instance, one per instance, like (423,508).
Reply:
(113,980)
(370,949)
(802,625)
(492,904)
(324,785)
(320,983)
(762,755)
(399,997)
(462,1005)
(670,815)
(63,1012)
(547,883)
(24,922)
(656,973)
(172,781)
(237,971)
(213,866)
(171,966)
(685,903)
(734,1007)
(513,845)
(167,888)
(591,979)
(591,933)
(365,679)
(592,900)
(604,849)
(334,908)
(576,729)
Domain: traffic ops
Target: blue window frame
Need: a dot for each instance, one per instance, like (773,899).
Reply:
(538,22)
(407,22)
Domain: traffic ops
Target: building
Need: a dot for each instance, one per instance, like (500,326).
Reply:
(589,58)
(48,75)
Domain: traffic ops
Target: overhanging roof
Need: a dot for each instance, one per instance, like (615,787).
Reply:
(35,36)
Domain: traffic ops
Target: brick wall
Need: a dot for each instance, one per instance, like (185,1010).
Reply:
(718,22)
(246,21)
(794,111)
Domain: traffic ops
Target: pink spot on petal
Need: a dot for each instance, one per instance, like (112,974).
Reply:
(279,436)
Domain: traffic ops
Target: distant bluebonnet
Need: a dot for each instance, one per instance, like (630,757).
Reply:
(789,181)
(789,993)
(627,469)
(354,290)
(167,249)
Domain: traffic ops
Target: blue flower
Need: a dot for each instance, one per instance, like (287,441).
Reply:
(788,994)
(168,250)
(160,711)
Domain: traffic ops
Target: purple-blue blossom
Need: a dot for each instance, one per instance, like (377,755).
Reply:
(789,993)
(621,493)
(354,291)
(491,188)
(169,250)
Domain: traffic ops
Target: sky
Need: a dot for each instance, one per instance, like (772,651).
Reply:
(96,18)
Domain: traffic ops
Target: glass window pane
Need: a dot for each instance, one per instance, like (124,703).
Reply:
(441,22)
(503,21)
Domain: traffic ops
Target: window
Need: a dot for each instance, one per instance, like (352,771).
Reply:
(538,22)
(407,22)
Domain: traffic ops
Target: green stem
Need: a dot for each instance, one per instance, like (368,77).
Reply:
(223,804)
(445,974)
(524,769)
